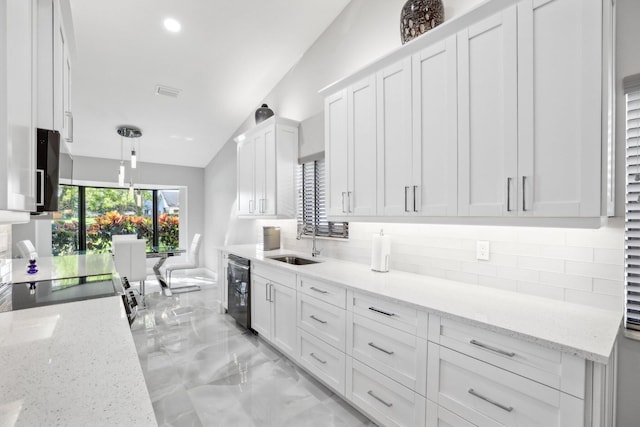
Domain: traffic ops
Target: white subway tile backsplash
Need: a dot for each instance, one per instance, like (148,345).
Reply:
(607,302)
(608,287)
(581,283)
(540,290)
(600,271)
(541,264)
(609,256)
(579,265)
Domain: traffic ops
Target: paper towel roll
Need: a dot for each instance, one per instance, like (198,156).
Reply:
(380,251)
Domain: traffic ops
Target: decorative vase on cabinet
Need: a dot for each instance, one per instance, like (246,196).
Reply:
(418,17)
(263,113)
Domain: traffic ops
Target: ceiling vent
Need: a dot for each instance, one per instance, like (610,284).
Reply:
(167,91)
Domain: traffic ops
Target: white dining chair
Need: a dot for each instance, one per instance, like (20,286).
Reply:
(26,249)
(193,259)
(130,258)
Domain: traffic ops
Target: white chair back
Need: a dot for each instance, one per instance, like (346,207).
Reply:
(194,250)
(26,249)
(129,256)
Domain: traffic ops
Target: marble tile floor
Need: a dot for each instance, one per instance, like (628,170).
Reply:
(201,369)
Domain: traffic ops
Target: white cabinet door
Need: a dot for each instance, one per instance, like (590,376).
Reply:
(361,193)
(283,307)
(260,172)
(268,198)
(435,130)
(260,306)
(67,123)
(245,177)
(394,139)
(487,114)
(559,99)
(59,49)
(337,153)
(17,141)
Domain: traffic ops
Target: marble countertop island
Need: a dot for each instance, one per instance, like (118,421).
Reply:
(572,328)
(72,364)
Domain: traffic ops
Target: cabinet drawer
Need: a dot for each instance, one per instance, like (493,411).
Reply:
(322,360)
(322,320)
(551,367)
(388,402)
(390,313)
(487,396)
(274,274)
(327,292)
(437,416)
(398,355)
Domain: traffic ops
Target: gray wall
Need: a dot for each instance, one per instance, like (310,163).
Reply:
(93,169)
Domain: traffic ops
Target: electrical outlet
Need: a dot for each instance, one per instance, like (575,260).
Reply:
(482,250)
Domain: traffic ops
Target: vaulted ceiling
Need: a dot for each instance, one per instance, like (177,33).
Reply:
(225,60)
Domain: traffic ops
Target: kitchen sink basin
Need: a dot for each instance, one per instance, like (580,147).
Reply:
(294,260)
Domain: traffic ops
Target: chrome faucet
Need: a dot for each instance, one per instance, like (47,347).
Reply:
(314,250)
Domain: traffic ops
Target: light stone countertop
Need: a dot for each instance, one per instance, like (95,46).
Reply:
(73,363)
(572,328)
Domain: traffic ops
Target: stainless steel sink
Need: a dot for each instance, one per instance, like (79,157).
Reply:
(294,260)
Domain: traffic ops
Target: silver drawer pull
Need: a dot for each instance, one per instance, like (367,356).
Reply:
(324,362)
(491,348)
(380,348)
(322,291)
(317,320)
(387,404)
(493,402)
(381,312)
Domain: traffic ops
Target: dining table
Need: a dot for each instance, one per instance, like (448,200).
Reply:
(162,253)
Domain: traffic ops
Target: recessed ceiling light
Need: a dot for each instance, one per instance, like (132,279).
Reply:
(172,25)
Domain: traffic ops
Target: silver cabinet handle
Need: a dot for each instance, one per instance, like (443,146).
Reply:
(349,210)
(322,291)
(381,312)
(509,194)
(270,294)
(387,404)
(415,200)
(492,348)
(324,362)
(343,209)
(493,402)
(524,197)
(263,205)
(371,344)
(318,320)
(69,136)
(406,209)
(251,206)
(266,292)
(40,175)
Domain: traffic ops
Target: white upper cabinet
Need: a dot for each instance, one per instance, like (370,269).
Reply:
(502,116)
(17,106)
(266,168)
(487,113)
(350,126)
(559,107)
(435,130)
(395,145)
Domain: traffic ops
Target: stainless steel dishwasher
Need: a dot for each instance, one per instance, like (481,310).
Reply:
(239,288)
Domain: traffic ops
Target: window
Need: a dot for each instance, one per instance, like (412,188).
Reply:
(89,216)
(312,213)
(632,203)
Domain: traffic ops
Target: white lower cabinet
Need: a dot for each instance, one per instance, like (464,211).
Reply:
(323,320)
(437,416)
(324,361)
(273,310)
(487,395)
(388,402)
(399,355)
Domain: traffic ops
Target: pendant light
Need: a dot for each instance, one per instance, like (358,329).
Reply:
(128,132)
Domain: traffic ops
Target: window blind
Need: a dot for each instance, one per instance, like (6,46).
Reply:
(632,203)
(312,211)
